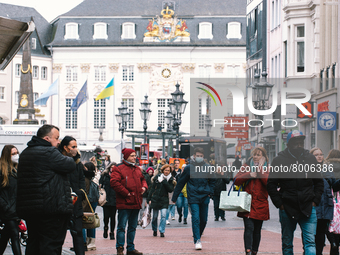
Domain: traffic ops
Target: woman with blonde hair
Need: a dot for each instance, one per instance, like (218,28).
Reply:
(254,182)
(8,194)
(158,197)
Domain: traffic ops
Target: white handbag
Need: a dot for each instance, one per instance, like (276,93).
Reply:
(231,200)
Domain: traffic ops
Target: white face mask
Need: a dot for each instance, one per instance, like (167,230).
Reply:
(15,158)
(199,159)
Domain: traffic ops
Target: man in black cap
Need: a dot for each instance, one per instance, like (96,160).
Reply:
(295,187)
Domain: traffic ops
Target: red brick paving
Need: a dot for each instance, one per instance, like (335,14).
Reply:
(179,241)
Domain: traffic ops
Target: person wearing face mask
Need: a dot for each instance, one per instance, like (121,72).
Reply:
(68,147)
(129,184)
(199,192)
(8,194)
(296,191)
(158,197)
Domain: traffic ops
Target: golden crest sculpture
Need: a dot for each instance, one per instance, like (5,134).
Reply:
(167,28)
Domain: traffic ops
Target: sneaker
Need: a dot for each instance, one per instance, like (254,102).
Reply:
(223,218)
(162,234)
(173,218)
(167,222)
(216,219)
(154,233)
(185,221)
(198,245)
(180,218)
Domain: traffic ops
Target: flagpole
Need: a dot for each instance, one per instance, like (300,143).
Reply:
(86,112)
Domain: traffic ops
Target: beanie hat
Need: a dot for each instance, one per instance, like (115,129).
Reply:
(295,133)
(150,168)
(126,152)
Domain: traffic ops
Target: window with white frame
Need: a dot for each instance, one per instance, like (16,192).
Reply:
(34,43)
(44,73)
(35,96)
(233,71)
(71,31)
(234,30)
(71,73)
(71,116)
(100,30)
(35,73)
(203,110)
(128,74)
(128,30)
(17,70)
(163,106)
(100,73)
(204,71)
(300,48)
(99,110)
(16,97)
(205,30)
(2,93)
(129,103)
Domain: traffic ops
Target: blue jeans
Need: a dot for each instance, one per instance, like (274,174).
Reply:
(161,223)
(182,202)
(308,228)
(90,232)
(125,216)
(171,210)
(199,218)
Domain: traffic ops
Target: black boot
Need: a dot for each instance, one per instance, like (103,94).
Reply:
(105,232)
(180,218)
(185,221)
(112,236)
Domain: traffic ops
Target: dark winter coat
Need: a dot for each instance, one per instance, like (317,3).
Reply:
(8,197)
(296,194)
(43,185)
(220,185)
(126,178)
(110,193)
(148,182)
(77,182)
(159,192)
(198,189)
(257,187)
(326,207)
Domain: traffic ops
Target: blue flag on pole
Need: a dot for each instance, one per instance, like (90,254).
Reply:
(80,98)
(52,90)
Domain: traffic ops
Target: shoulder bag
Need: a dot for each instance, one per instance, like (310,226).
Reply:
(90,219)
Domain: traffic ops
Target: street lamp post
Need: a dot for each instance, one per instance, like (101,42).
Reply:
(177,108)
(145,113)
(207,124)
(122,118)
(261,94)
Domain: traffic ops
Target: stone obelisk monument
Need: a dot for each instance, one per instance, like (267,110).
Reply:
(26,112)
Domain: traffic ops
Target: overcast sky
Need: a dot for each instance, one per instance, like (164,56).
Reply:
(48,9)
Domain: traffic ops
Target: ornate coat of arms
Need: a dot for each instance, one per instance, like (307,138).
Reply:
(167,28)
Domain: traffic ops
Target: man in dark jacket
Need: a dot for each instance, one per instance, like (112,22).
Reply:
(299,192)
(199,191)
(129,184)
(44,194)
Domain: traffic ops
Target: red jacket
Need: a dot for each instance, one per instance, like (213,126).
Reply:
(127,179)
(257,187)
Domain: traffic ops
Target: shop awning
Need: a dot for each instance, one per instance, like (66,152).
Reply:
(13,34)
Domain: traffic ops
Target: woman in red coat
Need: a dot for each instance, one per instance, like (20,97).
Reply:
(253,176)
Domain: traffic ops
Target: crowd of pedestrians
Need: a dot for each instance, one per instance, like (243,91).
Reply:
(50,188)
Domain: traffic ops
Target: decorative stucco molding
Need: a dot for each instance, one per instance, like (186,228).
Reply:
(85,68)
(113,67)
(57,68)
(219,67)
(144,67)
(188,67)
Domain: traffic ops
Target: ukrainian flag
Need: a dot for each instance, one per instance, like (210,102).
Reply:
(107,92)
